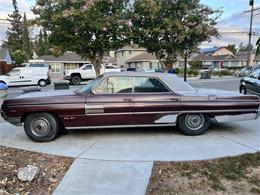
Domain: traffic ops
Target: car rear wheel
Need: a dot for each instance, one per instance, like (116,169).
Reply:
(41,127)
(42,83)
(75,80)
(193,124)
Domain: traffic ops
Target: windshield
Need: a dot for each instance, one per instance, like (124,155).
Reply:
(89,86)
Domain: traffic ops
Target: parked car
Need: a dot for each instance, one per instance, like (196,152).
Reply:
(87,72)
(251,83)
(27,76)
(127,99)
(244,71)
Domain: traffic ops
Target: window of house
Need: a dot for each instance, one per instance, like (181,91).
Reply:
(55,67)
(148,85)
(70,66)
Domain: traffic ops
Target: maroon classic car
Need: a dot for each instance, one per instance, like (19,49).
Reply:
(127,99)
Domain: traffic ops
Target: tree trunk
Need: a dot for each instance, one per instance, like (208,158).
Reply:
(97,65)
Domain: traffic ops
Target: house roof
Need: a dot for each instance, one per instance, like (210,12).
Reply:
(143,57)
(204,57)
(132,47)
(3,53)
(235,57)
(212,50)
(66,57)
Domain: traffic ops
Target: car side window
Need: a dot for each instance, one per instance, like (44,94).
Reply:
(88,67)
(255,74)
(149,85)
(112,85)
(14,73)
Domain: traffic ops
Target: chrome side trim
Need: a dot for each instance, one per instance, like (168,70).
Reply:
(172,118)
(174,112)
(94,109)
(121,126)
(238,117)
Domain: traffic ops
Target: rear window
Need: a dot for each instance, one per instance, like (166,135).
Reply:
(38,65)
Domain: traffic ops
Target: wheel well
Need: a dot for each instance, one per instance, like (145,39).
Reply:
(2,82)
(75,74)
(206,114)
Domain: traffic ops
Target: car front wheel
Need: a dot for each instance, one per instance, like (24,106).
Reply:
(41,127)
(193,124)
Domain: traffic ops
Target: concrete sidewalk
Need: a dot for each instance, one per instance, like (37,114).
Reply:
(119,161)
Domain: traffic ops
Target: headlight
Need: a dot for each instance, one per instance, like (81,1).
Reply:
(243,83)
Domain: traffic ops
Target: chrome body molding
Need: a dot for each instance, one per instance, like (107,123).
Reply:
(16,121)
(121,126)
(238,117)
(94,109)
(167,119)
(173,112)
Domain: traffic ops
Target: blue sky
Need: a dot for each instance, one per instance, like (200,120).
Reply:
(233,24)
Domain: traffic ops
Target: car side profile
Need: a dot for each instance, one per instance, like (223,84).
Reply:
(27,76)
(251,83)
(127,99)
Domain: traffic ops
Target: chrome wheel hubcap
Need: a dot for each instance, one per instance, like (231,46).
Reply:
(40,127)
(194,121)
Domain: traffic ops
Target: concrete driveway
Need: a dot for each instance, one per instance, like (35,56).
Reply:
(119,161)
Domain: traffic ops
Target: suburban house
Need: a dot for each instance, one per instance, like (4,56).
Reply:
(58,65)
(143,61)
(133,56)
(221,57)
(69,60)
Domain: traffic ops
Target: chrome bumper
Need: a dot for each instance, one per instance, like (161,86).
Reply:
(16,121)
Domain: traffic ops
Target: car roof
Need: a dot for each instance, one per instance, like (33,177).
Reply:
(171,80)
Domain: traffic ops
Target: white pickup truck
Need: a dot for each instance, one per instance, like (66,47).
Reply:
(87,72)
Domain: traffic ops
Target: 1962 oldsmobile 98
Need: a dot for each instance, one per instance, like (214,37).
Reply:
(127,99)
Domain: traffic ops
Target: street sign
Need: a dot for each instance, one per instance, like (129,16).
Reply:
(251,2)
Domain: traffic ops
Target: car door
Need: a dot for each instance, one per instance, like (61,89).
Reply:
(14,78)
(251,83)
(110,103)
(155,103)
(88,71)
(257,84)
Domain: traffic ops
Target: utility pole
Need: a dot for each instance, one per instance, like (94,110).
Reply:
(185,64)
(251,3)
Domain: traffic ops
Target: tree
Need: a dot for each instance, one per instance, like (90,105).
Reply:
(46,46)
(26,39)
(90,28)
(232,47)
(14,33)
(167,28)
(243,48)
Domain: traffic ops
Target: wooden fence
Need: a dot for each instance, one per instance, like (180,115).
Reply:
(4,68)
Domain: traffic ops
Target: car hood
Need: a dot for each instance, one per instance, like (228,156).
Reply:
(45,94)
(210,92)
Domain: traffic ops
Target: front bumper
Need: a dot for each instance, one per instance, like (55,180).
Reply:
(16,121)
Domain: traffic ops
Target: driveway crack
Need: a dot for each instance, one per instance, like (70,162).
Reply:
(92,145)
(240,143)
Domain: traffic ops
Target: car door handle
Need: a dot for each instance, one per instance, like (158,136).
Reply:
(128,100)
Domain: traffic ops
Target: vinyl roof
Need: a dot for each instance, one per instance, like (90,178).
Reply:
(171,80)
